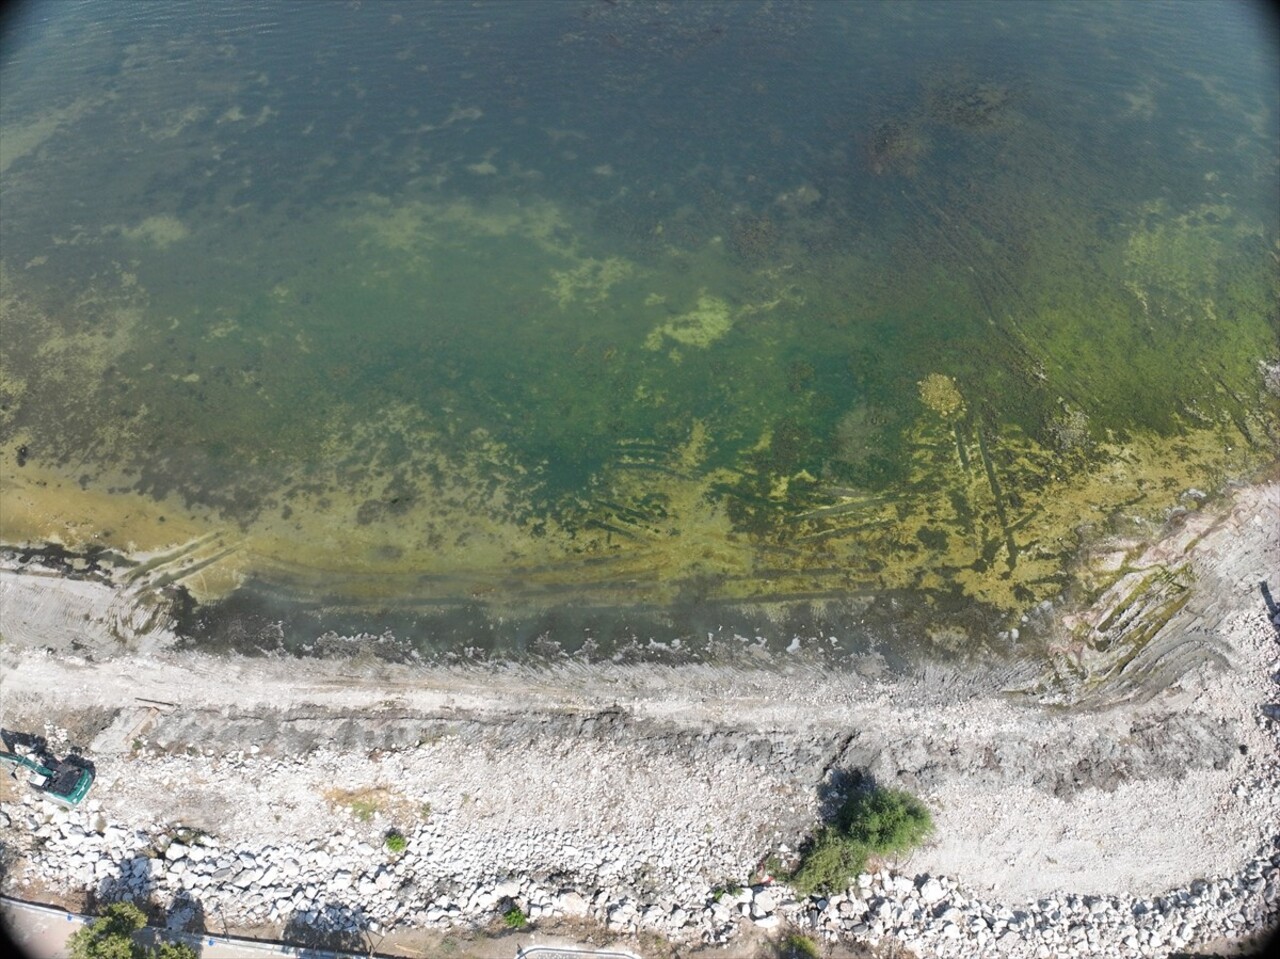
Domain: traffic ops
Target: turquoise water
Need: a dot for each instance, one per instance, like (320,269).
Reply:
(542,319)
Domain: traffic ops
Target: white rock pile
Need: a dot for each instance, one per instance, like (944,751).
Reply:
(346,883)
(933,917)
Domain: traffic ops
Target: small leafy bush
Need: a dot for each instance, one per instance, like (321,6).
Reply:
(514,918)
(878,822)
(396,842)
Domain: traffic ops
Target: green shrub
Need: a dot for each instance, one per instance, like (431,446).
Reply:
(110,936)
(880,822)
(829,863)
(887,821)
(174,950)
(514,918)
(396,842)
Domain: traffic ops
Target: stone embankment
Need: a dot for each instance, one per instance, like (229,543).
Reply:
(347,885)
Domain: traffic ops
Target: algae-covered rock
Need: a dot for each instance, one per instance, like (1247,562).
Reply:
(940,394)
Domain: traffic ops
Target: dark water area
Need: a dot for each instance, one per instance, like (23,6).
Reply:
(639,320)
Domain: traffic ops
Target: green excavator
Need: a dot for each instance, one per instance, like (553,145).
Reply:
(67,783)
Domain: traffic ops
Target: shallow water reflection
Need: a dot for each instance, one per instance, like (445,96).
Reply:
(631,320)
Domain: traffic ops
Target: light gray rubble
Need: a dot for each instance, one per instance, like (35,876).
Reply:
(346,883)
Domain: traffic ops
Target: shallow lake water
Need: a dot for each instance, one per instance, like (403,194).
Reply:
(621,324)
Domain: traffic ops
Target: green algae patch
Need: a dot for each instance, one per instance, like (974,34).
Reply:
(706,323)
(1177,265)
(160,231)
(589,281)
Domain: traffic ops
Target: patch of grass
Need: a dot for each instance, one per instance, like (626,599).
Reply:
(396,842)
(879,822)
(514,918)
(797,946)
(363,803)
(728,889)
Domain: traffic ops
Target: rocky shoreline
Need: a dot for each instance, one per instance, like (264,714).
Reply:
(642,803)
(345,886)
